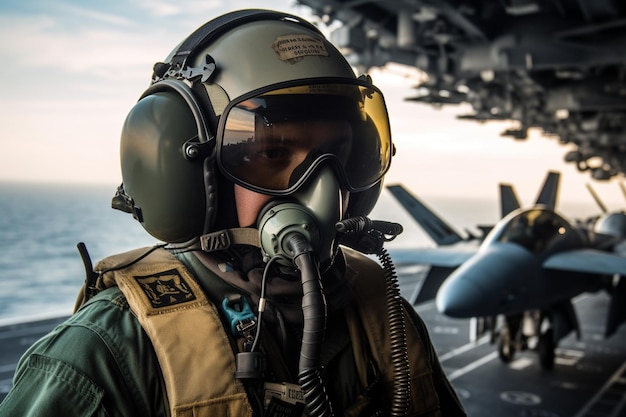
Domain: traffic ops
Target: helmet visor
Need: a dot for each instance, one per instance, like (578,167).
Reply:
(272,140)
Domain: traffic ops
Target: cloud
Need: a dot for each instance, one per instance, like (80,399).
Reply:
(179,9)
(71,73)
(120,43)
(72,70)
(41,44)
(88,16)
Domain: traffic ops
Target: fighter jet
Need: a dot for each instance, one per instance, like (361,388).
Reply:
(526,271)
(453,247)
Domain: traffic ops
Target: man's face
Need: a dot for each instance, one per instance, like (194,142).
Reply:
(281,152)
(273,141)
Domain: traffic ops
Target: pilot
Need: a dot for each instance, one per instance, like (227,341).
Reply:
(254,156)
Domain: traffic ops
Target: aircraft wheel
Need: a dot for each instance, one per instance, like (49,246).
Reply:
(506,349)
(546,348)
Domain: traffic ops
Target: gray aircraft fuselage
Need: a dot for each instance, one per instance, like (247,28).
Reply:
(507,275)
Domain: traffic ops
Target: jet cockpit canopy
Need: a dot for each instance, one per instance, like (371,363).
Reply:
(537,229)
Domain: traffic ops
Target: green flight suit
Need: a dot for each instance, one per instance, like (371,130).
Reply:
(100,362)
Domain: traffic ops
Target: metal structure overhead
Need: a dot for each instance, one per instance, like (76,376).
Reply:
(555,65)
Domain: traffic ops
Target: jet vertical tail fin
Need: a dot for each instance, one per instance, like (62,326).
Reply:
(439,231)
(549,193)
(508,200)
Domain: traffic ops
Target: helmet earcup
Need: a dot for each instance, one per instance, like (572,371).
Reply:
(164,185)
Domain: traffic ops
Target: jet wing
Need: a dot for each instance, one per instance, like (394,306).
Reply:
(439,231)
(446,256)
(587,260)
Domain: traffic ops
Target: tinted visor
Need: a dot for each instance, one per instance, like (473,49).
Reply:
(273,139)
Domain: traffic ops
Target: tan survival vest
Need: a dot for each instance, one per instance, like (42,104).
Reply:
(169,304)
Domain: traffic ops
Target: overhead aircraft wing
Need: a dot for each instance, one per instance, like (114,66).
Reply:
(447,256)
(439,231)
(587,260)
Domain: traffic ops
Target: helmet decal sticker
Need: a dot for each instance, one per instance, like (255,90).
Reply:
(293,48)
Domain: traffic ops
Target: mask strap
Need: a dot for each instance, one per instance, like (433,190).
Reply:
(223,239)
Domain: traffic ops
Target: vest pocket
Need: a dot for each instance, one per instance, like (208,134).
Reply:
(232,405)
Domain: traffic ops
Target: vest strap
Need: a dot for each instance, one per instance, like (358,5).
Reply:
(182,325)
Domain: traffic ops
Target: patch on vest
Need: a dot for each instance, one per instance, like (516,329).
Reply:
(165,288)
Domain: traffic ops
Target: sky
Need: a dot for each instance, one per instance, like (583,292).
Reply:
(71,70)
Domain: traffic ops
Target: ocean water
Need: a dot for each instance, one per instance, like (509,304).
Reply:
(41,271)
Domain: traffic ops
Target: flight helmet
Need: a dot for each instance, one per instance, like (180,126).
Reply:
(196,130)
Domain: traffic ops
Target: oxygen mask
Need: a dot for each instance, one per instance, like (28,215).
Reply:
(312,212)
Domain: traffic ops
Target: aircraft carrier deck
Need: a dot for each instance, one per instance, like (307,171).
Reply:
(588,379)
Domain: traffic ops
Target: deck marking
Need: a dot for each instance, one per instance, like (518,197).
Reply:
(8,368)
(462,349)
(424,306)
(521,363)
(520,398)
(616,377)
(468,368)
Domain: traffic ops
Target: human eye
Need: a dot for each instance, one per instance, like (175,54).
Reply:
(273,153)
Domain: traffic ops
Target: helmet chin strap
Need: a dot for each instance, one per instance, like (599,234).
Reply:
(278,220)
(223,239)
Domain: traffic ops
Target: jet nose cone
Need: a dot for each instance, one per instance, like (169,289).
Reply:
(459,298)
(500,279)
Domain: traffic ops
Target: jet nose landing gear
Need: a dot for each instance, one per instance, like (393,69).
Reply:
(531,330)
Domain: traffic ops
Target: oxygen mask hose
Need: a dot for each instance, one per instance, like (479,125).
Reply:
(368,236)
(288,231)
(314,311)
